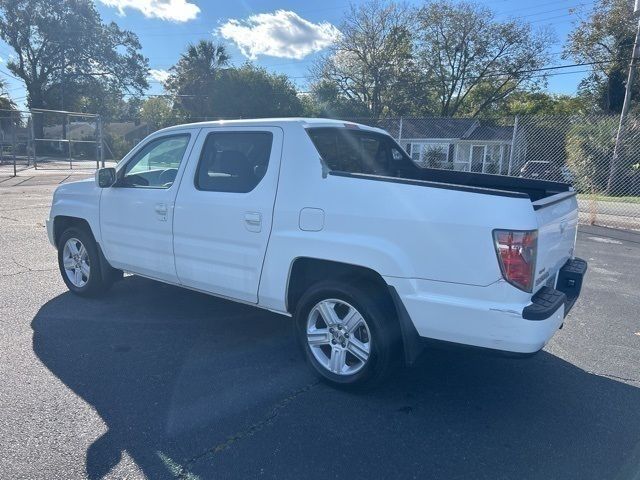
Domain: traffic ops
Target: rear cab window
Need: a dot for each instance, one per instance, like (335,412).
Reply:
(351,150)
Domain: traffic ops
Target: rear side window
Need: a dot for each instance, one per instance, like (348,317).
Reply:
(357,151)
(233,161)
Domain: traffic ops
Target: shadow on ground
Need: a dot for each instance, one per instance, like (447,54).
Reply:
(175,374)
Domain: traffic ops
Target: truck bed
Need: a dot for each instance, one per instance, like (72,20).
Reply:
(540,192)
(535,189)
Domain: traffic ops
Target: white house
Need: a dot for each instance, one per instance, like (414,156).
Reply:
(454,143)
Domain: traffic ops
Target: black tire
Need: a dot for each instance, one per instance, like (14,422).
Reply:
(380,317)
(96,282)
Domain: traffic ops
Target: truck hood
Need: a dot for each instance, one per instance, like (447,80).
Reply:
(83,193)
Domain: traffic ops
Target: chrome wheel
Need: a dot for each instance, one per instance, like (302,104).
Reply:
(338,337)
(75,259)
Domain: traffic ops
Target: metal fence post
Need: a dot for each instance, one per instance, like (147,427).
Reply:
(65,122)
(99,143)
(400,132)
(33,139)
(13,148)
(513,144)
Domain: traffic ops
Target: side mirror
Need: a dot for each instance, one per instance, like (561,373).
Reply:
(105,177)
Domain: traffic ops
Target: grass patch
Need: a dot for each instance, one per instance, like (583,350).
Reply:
(607,198)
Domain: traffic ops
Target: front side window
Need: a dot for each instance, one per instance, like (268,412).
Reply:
(156,164)
(233,161)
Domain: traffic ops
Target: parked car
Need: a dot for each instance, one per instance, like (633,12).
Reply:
(332,224)
(545,170)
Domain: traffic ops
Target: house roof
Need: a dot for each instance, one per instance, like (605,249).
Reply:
(486,132)
(433,127)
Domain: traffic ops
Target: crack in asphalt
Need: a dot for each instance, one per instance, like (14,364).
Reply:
(26,270)
(252,429)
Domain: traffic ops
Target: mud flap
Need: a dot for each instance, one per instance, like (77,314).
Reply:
(413,344)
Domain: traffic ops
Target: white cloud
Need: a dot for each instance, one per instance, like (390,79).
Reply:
(158,75)
(174,10)
(279,34)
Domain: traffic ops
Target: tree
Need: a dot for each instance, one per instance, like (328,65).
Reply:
(192,78)
(589,150)
(158,112)
(326,100)
(5,101)
(538,103)
(369,67)
(252,92)
(8,109)
(205,87)
(64,51)
(469,60)
(605,39)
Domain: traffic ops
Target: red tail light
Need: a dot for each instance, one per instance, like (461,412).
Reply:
(516,251)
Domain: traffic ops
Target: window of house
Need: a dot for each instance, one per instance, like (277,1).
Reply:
(233,161)
(492,159)
(431,154)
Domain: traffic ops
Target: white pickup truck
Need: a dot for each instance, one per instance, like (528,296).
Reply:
(333,224)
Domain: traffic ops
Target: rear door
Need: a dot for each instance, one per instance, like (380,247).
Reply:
(557,226)
(224,210)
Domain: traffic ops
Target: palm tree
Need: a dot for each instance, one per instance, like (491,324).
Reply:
(191,80)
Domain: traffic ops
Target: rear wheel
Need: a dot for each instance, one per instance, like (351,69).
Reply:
(79,263)
(349,338)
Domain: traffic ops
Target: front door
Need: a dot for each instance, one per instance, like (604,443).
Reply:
(477,157)
(136,214)
(224,210)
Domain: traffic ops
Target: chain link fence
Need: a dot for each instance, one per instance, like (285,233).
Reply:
(575,149)
(50,139)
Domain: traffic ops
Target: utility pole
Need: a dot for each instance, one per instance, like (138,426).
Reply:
(635,55)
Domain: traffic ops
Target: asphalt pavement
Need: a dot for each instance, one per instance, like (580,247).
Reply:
(152,381)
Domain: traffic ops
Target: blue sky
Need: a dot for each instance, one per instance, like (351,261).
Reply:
(261,31)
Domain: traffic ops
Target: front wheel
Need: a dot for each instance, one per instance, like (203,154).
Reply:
(79,263)
(349,337)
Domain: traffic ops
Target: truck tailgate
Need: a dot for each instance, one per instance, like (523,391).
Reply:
(557,217)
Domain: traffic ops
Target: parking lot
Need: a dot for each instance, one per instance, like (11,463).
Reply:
(159,382)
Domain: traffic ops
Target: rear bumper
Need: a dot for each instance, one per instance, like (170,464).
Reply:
(493,316)
(568,286)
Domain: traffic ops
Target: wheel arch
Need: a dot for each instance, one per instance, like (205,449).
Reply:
(306,271)
(64,222)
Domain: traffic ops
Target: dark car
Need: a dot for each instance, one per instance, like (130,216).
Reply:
(542,170)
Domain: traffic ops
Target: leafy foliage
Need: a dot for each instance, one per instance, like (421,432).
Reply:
(204,87)
(67,57)
(605,38)
(456,58)
(192,79)
(369,68)
(589,150)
